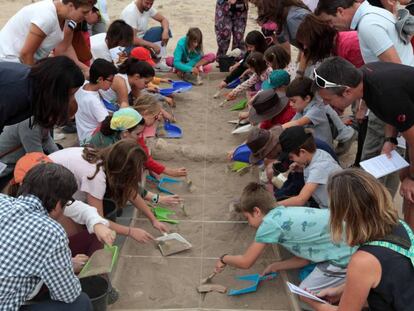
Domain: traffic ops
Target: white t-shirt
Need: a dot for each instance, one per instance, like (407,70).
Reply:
(13,35)
(99,48)
(110,96)
(137,20)
(91,112)
(72,159)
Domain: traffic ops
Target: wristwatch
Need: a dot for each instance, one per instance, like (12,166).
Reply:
(155,198)
(392,140)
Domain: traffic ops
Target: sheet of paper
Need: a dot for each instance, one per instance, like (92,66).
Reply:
(380,166)
(299,291)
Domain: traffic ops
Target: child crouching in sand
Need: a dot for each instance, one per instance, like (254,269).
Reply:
(301,230)
(189,59)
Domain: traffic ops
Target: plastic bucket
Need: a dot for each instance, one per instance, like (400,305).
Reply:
(97,288)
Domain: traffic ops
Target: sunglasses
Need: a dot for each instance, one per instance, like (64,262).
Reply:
(69,202)
(323,83)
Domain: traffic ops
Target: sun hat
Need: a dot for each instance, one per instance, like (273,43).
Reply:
(142,54)
(262,142)
(266,105)
(26,162)
(277,78)
(125,119)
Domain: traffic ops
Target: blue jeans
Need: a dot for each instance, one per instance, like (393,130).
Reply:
(82,303)
(154,34)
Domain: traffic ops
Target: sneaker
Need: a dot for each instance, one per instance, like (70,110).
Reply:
(343,147)
(162,67)
(58,136)
(195,80)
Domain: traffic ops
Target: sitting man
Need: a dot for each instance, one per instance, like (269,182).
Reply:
(34,247)
(137,14)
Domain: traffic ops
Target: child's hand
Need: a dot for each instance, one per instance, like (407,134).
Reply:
(170,101)
(160,226)
(219,266)
(153,89)
(140,235)
(234,67)
(243,115)
(274,267)
(78,262)
(170,199)
(167,116)
(178,172)
(195,71)
(230,96)
(230,154)
(332,295)
(104,234)
(222,85)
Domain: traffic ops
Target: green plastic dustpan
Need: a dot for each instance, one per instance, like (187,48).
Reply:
(238,166)
(162,215)
(101,262)
(239,106)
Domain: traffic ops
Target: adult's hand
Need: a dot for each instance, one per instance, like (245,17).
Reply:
(156,48)
(140,235)
(407,189)
(165,36)
(387,148)
(331,295)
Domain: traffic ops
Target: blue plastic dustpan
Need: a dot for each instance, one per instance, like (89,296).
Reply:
(242,154)
(177,87)
(162,181)
(233,84)
(255,279)
(110,106)
(173,131)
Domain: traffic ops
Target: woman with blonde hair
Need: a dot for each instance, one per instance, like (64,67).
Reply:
(381,271)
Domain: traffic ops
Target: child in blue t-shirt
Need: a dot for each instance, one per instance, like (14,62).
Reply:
(301,230)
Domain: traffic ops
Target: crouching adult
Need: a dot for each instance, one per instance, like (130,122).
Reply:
(34,247)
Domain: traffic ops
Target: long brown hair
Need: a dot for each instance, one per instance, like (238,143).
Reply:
(195,34)
(276,11)
(316,38)
(361,206)
(122,163)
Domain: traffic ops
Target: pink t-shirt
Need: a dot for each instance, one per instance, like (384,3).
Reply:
(72,159)
(347,47)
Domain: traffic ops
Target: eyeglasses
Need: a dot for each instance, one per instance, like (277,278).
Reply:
(323,83)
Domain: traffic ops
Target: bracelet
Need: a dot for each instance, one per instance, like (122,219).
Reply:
(221,259)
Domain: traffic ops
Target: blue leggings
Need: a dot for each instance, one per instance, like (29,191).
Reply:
(82,303)
(154,34)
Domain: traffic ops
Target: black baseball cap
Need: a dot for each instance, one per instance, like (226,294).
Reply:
(291,139)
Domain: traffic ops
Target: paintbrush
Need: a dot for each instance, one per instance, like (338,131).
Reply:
(209,278)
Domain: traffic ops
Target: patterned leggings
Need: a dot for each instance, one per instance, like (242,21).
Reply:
(226,24)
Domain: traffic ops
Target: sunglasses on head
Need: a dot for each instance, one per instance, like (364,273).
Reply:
(323,83)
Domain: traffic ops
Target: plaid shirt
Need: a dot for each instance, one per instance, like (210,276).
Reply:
(33,248)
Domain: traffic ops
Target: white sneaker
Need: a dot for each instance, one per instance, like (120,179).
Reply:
(58,136)
(162,67)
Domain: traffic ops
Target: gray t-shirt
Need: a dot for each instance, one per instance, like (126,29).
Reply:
(294,18)
(317,172)
(320,123)
(23,139)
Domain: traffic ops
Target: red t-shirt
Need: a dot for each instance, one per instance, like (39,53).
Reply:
(284,116)
(347,47)
(151,164)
